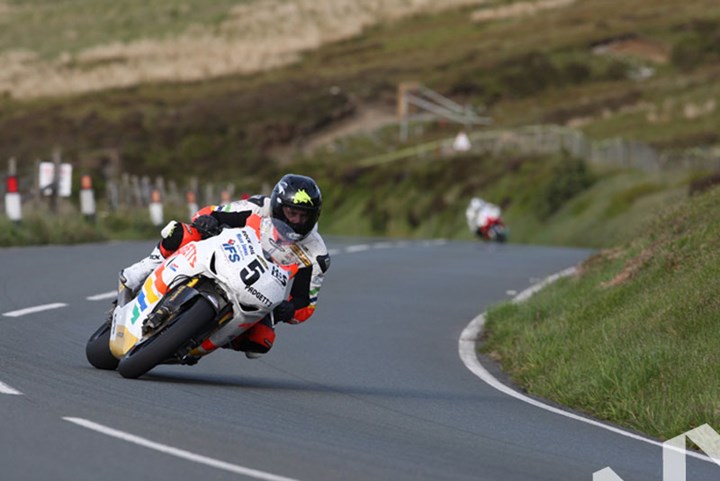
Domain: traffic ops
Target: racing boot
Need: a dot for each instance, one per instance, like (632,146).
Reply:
(256,341)
(134,275)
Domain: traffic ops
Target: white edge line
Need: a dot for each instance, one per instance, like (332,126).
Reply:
(5,389)
(357,248)
(468,355)
(31,310)
(103,296)
(180,453)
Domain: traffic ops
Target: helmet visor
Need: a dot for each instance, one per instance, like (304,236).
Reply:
(284,232)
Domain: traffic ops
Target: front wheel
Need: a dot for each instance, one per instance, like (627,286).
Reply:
(164,344)
(97,349)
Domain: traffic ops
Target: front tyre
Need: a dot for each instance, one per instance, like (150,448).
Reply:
(163,345)
(97,349)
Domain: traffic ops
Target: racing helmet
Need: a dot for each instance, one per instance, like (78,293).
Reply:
(296,194)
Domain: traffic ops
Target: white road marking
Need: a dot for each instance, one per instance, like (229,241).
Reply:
(357,248)
(32,310)
(435,242)
(5,389)
(383,245)
(468,355)
(103,296)
(180,453)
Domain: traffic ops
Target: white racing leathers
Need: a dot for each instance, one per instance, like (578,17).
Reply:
(309,254)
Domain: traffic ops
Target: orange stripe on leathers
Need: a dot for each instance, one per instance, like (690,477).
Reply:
(254,223)
(159,282)
(302,315)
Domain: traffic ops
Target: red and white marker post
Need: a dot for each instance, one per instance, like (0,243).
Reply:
(87,198)
(156,208)
(13,203)
(192,204)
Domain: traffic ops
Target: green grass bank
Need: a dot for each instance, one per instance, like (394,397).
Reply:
(631,338)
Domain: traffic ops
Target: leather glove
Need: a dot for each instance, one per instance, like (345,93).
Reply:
(207,225)
(284,312)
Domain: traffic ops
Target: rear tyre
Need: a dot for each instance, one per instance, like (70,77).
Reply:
(97,349)
(499,234)
(163,345)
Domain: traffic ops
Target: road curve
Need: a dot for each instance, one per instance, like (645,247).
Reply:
(371,388)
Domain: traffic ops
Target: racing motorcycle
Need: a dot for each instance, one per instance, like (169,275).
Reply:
(196,301)
(493,230)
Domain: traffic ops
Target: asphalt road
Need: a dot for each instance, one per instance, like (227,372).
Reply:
(371,388)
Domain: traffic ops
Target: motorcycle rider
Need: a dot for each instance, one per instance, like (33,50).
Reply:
(296,202)
(479,215)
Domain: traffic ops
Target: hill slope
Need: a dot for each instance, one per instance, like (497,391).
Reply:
(632,337)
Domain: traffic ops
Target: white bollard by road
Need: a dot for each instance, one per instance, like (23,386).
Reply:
(192,204)
(13,204)
(87,197)
(156,208)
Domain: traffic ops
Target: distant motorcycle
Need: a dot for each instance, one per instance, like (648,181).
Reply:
(199,299)
(485,221)
(492,230)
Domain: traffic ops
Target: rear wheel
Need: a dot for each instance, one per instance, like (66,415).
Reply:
(163,345)
(499,234)
(97,349)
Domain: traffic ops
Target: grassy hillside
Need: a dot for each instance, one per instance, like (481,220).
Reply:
(574,65)
(632,337)
(51,47)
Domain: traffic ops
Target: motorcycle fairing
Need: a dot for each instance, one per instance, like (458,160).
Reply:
(235,261)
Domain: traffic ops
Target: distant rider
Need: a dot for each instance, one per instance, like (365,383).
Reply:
(296,201)
(480,216)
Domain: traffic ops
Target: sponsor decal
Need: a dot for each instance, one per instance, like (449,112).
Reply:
(301,197)
(135,314)
(300,253)
(231,252)
(258,295)
(142,301)
(190,253)
(263,261)
(279,275)
(247,243)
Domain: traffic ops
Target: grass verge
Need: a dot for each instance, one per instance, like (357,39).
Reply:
(630,338)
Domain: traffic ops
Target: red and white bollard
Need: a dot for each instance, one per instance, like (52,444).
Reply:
(13,205)
(192,204)
(87,197)
(225,197)
(156,208)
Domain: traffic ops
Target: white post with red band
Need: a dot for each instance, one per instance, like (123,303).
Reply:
(13,203)
(87,197)
(192,204)
(156,208)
